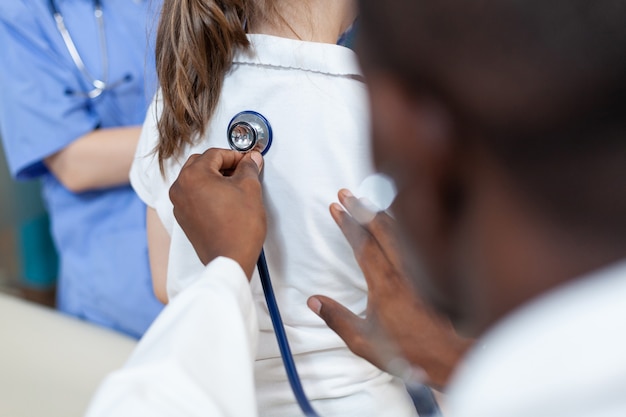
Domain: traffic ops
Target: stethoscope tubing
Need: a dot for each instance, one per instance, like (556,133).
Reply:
(281,338)
(260,127)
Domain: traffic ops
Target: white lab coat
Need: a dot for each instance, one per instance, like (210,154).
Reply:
(560,355)
(563,354)
(196,359)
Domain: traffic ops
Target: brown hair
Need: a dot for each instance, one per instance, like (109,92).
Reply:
(196,43)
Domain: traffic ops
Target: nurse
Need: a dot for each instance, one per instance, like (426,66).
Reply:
(76,78)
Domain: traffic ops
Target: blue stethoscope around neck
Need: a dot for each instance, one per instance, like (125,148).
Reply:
(99,84)
(248,131)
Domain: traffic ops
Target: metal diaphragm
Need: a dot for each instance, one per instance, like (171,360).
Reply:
(249,131)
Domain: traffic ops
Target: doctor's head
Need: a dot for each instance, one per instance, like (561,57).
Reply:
(503,123)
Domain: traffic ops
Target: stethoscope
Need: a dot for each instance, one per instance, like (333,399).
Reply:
(248,131)
(99,85)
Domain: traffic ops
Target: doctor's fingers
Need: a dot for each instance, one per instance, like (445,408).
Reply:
(229,163)
(217,160)
(381,275)
(215,164)
(250,166)
(200,168)
(358,334)
(374,243)
(380,225)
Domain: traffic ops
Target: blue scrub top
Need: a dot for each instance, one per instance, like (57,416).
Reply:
(104,271)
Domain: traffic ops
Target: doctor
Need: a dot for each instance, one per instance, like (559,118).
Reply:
(512,198)
(75,82)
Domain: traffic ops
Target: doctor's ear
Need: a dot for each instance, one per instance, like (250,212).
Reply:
(407,126)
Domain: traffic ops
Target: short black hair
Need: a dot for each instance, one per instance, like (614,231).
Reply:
(541,82)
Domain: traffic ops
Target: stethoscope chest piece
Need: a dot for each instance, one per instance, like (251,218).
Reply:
(249,131)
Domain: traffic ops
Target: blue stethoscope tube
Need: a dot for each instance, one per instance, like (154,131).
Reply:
(248,131)
(281,338)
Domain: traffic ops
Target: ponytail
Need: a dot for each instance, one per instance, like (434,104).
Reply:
(195,47)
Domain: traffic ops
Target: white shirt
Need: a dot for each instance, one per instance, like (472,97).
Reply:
(563,354)
(318,111)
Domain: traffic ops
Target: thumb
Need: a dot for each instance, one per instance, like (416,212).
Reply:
(250,166)
(258,159)
(342,321)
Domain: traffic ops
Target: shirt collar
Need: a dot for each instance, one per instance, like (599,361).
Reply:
(273,51)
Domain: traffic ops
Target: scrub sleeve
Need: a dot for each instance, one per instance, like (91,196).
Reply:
(37,117)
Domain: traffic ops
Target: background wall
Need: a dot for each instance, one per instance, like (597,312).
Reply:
(28,262)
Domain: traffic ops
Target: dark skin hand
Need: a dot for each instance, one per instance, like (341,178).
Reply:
(397,322)
(218,204)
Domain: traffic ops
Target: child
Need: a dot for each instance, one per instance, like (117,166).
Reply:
(216,59)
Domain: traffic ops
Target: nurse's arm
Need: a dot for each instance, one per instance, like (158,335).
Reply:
(99,159)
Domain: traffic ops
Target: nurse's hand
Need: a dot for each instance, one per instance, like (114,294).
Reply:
(397,323)
(218,203)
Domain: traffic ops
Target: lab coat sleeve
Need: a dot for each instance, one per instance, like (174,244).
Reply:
(196,359)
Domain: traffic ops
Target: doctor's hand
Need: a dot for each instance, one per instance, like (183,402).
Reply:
(397,323)
(218,204)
